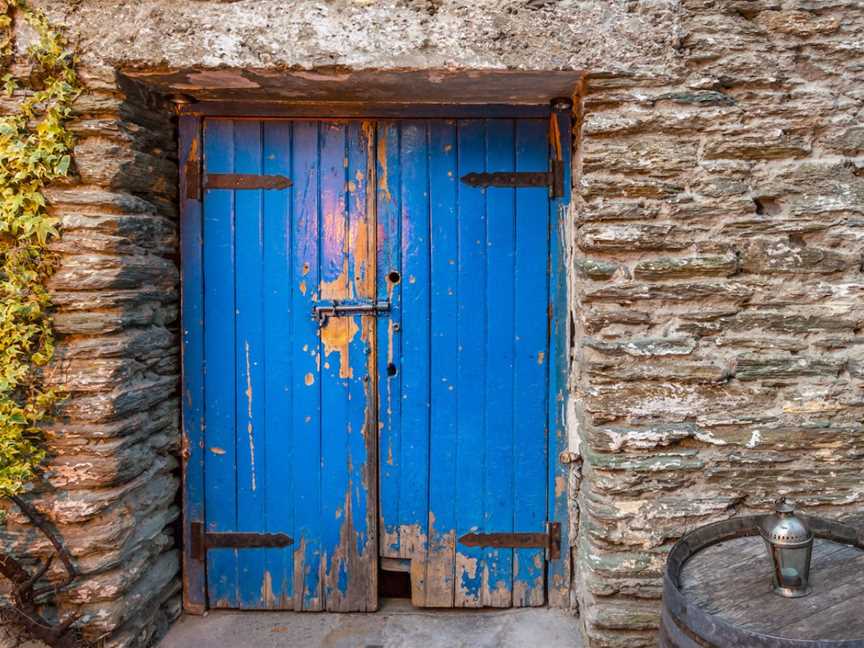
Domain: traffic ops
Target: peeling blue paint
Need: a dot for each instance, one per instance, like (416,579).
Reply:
(463,359)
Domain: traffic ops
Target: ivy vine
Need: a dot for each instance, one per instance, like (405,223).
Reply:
(35,149)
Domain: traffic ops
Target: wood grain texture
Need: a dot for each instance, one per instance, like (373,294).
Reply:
(559,572)
(452,382)
(290,402)
(733,580)
(463,392)
(192,350)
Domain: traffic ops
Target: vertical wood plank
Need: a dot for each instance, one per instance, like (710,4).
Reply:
(305,381)
(358,547)
(498,477)
(251,441)
(390,281)
(192,325)
(353,567)
(220,470)
(337,336)
(444,487)
(530,363)
(559,574)
(471,371)
(414,463)
(277,287)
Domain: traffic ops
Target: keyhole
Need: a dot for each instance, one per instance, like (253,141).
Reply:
(394,277)
(391,369)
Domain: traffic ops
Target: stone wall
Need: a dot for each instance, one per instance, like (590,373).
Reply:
(111,482)
(719,296)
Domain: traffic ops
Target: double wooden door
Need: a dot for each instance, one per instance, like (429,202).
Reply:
(375,351)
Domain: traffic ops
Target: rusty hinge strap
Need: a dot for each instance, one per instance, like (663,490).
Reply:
(551,540)
(557,174)
(553,179)
(245,181)
(508,179)
(192,171)
(202,540)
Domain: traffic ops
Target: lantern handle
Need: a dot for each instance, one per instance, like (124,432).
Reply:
(783,505)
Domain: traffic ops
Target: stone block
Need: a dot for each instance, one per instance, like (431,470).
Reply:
(650,157)
(622,186)
(802,24)
(626,370)
(764,144)
(847,141)
(625,615)
(724,265)
(758,366)
(102,271)
(708,292)
(633,237)
(784,256)
(617,439)
(644,347)
(597,319)
(597,269)
(144,342)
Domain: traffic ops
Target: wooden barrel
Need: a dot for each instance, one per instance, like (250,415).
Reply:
(717,591)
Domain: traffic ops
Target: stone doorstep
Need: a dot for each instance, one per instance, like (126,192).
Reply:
(395,625)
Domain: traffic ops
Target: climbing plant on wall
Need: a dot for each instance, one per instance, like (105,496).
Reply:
(35,149)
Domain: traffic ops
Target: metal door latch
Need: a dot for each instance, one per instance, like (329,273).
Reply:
(550,541)
(325,310)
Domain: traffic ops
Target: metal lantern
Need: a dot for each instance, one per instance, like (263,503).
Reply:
(790,545)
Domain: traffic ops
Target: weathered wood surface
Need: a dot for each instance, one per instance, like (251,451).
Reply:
(733,580)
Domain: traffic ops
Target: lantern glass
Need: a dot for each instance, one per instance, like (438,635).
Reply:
(790,545)
(791,567)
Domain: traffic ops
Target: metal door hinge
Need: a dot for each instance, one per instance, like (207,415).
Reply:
(202,540)
(234,181)
(245,181)
(324,310)
(554,179)
(192,171)
(550,541)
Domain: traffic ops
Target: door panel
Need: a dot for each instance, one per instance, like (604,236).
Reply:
(530,366)
(429,420)
(464,377)
(443,244)
(290,435)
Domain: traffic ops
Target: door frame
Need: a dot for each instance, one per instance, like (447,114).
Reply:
(190,133)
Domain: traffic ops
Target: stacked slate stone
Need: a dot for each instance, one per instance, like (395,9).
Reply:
(719,296)
(111,484)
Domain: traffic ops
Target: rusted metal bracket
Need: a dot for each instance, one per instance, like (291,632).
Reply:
(554,179)
(245,181)
(551,540)
(227,180)
(324,310)
(192,171)
(204,540)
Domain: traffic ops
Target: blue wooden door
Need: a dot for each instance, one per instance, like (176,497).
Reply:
(289,402)
(376,354)
(463,360)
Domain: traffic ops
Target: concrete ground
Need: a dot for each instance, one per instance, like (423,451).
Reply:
(396,625)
